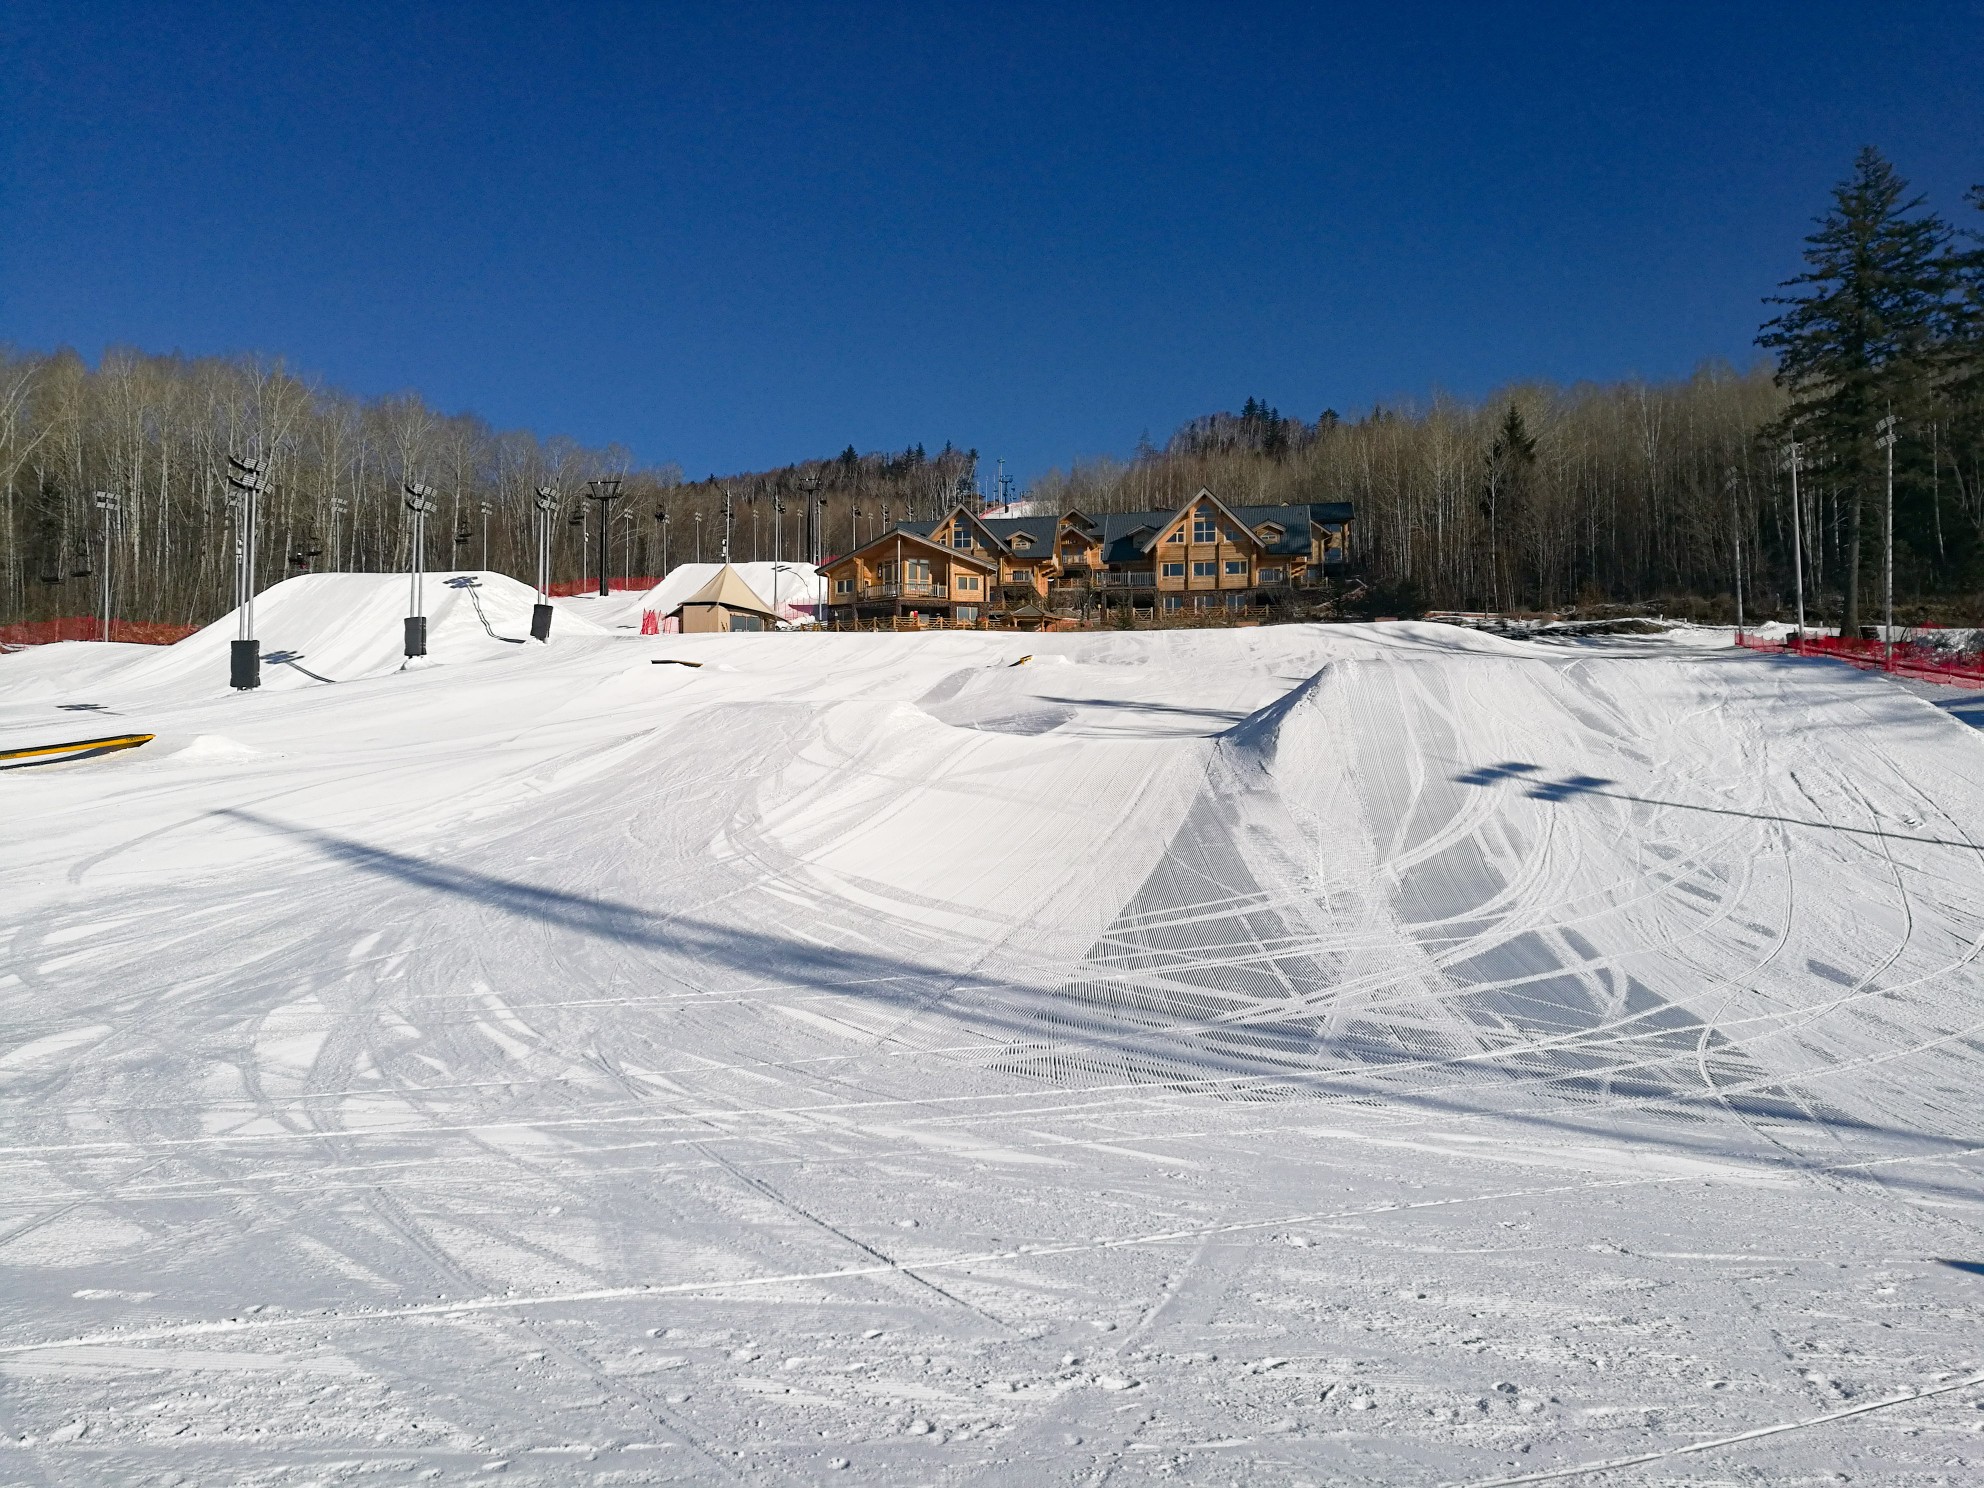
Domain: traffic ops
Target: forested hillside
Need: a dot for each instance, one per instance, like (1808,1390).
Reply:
(1536,496)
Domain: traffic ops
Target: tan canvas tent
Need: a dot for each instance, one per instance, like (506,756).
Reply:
(726,602)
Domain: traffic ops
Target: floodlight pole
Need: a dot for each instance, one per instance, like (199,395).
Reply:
(1794,461)
(661,521)
(247,479)
(1736,550)
(728,515)
(814,520)
(337,504)
(605,490)
(1885,441)
(485,536)
(419,502)
(699,537)
(546,502)
(106,502)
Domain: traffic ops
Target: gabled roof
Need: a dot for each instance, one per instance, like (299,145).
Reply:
(916,534)
(727,588)
(1204,494)
(992,528)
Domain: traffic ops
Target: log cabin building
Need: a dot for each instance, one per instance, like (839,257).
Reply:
(965,568)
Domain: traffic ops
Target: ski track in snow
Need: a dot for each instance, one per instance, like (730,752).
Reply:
(1356,1054)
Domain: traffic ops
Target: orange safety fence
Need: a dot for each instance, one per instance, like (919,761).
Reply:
(572,588)
(90,628)
(1918,660)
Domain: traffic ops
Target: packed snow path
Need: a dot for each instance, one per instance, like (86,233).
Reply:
(1376,1055)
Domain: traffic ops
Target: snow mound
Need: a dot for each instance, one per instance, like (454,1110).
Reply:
(319,628)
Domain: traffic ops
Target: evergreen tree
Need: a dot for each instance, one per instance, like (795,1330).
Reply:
(1860,330)
(1503,491)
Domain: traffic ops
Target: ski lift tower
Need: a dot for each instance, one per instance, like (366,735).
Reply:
(605,490)
(247,479)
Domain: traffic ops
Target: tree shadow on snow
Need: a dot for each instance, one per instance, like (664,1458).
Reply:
(1164,1056)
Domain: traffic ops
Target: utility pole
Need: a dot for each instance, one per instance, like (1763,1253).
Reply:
(546,502)
(419,502)
(106,503)
(1794,461)
(1735,548)
(605,490)
(1885,430)
(247,478)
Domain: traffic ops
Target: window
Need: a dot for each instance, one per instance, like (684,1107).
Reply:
(919,570)
(1174,601)
(746,622)
(1204,528)
(1237,566)
(1274,576)
(1174,570)
(1268,532)
(885,573)
(1021,542)
(1236,601)
(967,581)
(1022,576)
(1176,537)
(966,612)
(843,586)
(960,536)
(1205,568)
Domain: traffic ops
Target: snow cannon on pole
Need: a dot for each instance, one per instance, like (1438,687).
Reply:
(419,502)
(246,480)
(546,502)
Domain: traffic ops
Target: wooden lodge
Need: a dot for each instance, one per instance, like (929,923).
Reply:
(966,569)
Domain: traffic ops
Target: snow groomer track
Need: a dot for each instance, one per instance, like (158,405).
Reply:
(1357,1054)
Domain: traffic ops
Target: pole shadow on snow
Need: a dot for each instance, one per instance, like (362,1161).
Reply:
(1030,1017)
(1543,789)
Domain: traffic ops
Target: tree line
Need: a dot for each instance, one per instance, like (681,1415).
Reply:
(1533,498)
(1539,496)
(156,432)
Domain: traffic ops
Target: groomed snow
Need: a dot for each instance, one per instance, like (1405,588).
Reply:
(1382,1054)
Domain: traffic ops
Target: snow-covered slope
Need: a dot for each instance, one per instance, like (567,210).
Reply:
(1374,1054)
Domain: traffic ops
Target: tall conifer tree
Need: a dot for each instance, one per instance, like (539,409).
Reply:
(1860,328)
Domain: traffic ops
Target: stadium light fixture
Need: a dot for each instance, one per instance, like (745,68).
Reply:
(247,479)
(419,502)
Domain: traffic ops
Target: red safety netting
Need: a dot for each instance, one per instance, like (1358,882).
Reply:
(1920,660)
(90,628)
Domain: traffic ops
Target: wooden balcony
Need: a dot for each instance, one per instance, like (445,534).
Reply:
(909,590)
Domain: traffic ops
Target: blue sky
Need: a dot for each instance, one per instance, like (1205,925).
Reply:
(734,235)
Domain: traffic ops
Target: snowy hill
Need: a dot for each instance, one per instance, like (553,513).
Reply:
(1376,1054)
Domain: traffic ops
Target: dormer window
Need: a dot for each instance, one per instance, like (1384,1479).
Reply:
(1268,532)
(1021,542)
